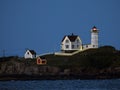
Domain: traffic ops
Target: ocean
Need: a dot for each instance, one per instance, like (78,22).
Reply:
(113,84)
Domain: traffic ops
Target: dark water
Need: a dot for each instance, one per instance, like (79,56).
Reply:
(61,85)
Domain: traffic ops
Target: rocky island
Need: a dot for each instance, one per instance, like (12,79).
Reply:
(100,63)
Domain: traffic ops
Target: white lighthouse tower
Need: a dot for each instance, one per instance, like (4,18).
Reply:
(94,37)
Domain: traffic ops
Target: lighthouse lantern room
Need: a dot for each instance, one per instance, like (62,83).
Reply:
(94,37)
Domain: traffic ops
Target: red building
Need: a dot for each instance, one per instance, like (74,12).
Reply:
(41,61)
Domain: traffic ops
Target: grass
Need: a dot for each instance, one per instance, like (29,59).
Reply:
(102,57)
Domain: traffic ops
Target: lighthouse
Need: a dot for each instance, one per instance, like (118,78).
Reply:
(94,37)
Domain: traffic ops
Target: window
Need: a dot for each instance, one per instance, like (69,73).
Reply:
(77,46)
(43,62)
(93,45)
(38,60)
(67,41)
(72,46)
(67,46)
(28,53)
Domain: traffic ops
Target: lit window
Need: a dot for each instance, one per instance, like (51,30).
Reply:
(43,62)
(38,60)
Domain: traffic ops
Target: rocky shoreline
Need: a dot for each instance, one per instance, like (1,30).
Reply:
(59,77)
(66,74)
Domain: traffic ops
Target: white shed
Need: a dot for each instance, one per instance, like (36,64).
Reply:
(30,54)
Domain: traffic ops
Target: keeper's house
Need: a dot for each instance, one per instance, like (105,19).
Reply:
(71,43)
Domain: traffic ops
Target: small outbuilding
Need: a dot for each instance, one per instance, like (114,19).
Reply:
(30,54)
(41,60)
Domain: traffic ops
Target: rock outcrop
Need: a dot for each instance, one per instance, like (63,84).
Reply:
(20,70)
